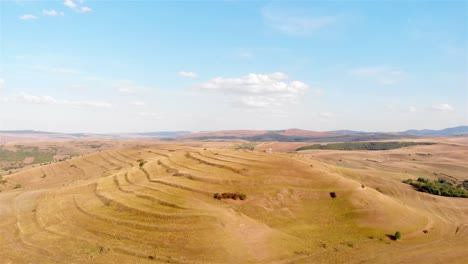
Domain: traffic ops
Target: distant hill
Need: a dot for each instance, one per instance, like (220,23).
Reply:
(157,134)
(292,135)
(287,135)
(453,131)
(22,132)
(32,135)
(257,135)
(347,132)
(165,133)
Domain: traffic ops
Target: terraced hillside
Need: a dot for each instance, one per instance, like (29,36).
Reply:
(154,204)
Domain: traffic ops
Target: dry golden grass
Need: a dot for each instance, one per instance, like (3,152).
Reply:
(105,208)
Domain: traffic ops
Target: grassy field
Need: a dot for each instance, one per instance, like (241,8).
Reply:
(154,203)
(18,157)
(15,156)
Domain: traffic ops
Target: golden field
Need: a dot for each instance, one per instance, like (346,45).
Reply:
(152,202)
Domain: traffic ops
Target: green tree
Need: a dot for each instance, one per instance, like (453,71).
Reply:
(397,235)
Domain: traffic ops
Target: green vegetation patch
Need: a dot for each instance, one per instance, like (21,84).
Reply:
(247,146)
(364,145)
(23,152)
(441,187)
(397,235)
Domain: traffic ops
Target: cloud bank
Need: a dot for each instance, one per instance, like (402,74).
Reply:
(257,90)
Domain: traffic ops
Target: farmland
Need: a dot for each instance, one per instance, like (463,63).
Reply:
(154,202)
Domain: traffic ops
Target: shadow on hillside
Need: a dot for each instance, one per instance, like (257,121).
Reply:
(392,237)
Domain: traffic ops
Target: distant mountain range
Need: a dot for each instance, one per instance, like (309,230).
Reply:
(460,130)
(288,135)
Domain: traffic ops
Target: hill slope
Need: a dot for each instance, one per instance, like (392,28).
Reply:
(105,206)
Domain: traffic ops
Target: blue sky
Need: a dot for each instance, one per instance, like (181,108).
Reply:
(127,66)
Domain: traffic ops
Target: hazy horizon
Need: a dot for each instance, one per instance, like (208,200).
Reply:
(88,66)
(240,129)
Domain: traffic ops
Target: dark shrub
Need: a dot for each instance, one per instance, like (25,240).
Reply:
(397,235)
(333,195)
(233,196)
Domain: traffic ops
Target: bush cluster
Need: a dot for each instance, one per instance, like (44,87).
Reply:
(441,187)
(247,146)
(234,196)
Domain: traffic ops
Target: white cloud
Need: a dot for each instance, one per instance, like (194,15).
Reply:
(52,12)
(127,90)
(138,103)
(2,83)
(85,9)
(380,74)
(188,74)
(78,87)
(70,4)
(442,108)
(126,87)
(130,87)
(28,17)
(326,114)
(49,100)
(148,114)
(257,90)
(295,22)
(401,108)
(75,6)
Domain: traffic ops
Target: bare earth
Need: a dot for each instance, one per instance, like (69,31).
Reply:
(103,207)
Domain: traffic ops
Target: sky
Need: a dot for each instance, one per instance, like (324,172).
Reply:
(138,66)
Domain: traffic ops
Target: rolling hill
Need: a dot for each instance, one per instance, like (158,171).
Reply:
(153,203)
(288,135)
